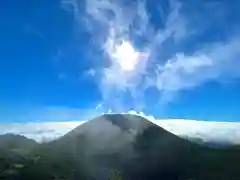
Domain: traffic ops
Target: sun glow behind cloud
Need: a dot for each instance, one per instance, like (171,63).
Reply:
(126,56)
(163,63)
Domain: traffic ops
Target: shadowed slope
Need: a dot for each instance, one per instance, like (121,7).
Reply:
(128,147)
(128,143)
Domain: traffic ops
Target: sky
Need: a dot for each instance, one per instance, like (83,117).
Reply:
(70,60)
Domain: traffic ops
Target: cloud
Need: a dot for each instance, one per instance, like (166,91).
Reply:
(40,131)
(208,131)
(211,63)
(117,20)
(159,40)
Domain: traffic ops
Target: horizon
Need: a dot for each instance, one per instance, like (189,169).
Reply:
(207,131)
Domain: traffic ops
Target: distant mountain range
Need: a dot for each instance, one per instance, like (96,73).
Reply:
(114,147)
(13,141)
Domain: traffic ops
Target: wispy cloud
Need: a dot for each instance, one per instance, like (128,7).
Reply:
(211,63)
(168,70)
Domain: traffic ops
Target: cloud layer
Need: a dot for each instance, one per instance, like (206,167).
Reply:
(208,131)
(42,131)
(165,37)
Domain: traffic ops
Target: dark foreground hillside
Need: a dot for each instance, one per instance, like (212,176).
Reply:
(120,147)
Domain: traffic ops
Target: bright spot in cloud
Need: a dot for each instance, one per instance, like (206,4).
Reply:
(126,56)
(165,61)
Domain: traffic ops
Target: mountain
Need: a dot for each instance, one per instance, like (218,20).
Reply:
(16,142)
(13,153)
(127,147)
(123,142)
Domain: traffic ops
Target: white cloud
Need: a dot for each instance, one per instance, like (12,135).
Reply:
(91,72)
(111,23)
(40,131)
(187,71)
(209,131)
(115,80)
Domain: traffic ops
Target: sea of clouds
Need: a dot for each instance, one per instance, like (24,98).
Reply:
(207,131)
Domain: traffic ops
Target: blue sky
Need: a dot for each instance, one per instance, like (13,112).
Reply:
(58,59)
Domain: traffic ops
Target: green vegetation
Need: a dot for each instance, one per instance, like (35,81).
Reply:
(152,154)
(116,175)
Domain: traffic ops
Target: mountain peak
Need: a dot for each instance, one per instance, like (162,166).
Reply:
(125,121)
(112,124)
